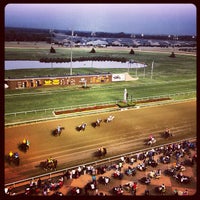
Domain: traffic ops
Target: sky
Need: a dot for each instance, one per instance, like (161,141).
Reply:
(174,19)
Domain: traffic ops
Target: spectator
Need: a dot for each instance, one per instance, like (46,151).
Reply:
(163,188)
(146,193)
(39,183)
(176,192)
(185,193)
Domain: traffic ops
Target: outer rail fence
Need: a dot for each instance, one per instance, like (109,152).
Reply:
(57,173)
(90,105)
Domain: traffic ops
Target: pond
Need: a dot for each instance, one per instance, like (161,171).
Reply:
(27,64)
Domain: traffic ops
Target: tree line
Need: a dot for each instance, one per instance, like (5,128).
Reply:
(33,34)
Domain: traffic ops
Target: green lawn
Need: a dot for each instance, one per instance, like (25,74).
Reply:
(170,76)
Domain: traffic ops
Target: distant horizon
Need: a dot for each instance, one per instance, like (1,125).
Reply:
(147,19)
(98,31)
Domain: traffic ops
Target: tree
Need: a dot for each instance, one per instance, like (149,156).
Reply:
(93,51)
(52,50)
(172,55)
(132,52)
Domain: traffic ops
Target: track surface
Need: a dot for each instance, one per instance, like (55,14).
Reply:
(125,133)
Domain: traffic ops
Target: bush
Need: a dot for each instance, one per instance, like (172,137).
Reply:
(123,104)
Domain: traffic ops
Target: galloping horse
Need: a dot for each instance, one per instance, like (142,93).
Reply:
(49,164)
(110,118)
(167,133)
(24,146)
(58,131)
(151,141)
(82,127)
(98,122)
(101,151)
(13,158)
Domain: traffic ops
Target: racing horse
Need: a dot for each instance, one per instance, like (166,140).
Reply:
(101,152)
(109,119)
(13,158)
(82,127)
(98,122)
(49,165)
(151,141)
(24,146)
(58,131)
(167,133)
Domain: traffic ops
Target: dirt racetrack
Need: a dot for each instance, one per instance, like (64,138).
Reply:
(125,133)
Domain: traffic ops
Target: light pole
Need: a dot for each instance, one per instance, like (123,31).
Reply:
(71,53)
(136,72)
(51,31)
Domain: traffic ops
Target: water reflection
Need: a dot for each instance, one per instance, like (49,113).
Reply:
(21,64)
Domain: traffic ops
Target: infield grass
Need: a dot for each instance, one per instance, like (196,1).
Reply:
(170,76)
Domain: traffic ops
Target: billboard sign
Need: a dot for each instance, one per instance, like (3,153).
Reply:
(118,77)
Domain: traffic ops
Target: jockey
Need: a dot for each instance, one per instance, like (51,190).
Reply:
(28,143)
(59,128)
(151,137)
(50,160)
(25,141)
(16,155)
(10,154)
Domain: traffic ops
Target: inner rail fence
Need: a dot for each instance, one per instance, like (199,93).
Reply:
(96,163)
(97,104)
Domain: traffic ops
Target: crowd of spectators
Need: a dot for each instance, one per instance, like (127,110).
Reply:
(180,152)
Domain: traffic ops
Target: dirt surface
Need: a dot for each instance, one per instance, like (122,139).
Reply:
(125,133)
